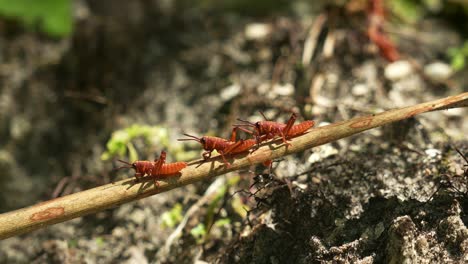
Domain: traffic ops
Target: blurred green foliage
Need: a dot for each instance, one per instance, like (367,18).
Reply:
(222,222)
(54,17)
(412,11)
(199,232)
(99,241)
(121,140)
(408,10)
(72,243)
(458,56)
(258,7)
(172,217)
(213,206)
(236,202)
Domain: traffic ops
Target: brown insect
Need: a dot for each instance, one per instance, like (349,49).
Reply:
(157,168)
(264,130)
(376,31)
(223,146)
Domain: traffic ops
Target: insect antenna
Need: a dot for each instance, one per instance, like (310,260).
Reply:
(190,138)
(129,166)
(125,162)
(246,123)
(266,119)
(241,127)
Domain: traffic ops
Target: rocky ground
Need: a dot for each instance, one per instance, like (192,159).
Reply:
(393,194)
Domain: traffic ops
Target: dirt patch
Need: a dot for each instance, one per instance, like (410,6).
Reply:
(392,194)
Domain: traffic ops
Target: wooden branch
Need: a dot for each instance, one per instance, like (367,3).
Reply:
(90,201)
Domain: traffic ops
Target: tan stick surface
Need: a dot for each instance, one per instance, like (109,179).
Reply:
(111,195)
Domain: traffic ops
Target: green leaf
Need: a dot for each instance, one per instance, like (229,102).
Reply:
(99,241)
(54,17)
(122,141)
(198,232)
(173,217)
(132,151)
(458,56)
(223,222)
(239,207)
(458,62)
(72,243)
(409,10)
(464,48)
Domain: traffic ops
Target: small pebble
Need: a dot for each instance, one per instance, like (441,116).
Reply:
(321,124)
(264,88)
(230,92)
(433,153)
(20,127)
(398,70)
(283,90)
(360,89)
(257,31)
(322,152)
(138,216)
(118,232)
(438,71)
(454,112)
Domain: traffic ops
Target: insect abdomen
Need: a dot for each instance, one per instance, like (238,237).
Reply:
(172,168)
(244,146)
(299,129)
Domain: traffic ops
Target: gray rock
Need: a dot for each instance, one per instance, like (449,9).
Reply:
(398,70)
(438,71)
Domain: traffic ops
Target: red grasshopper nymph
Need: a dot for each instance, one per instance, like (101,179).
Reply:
(156,169)
(223,146)
(264,130)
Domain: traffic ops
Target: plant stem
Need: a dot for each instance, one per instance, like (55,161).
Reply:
(111,195)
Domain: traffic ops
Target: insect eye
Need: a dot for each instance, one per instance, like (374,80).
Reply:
(202,140)
(134,165)
(257,124)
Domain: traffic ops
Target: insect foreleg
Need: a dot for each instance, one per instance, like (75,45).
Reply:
(206,155)
(138,175)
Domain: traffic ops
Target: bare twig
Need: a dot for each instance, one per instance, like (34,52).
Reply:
(311,41)
(195,208)
(114,194)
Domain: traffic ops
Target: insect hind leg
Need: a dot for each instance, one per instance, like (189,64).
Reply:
(226,163)
(290,124)
(285,132)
